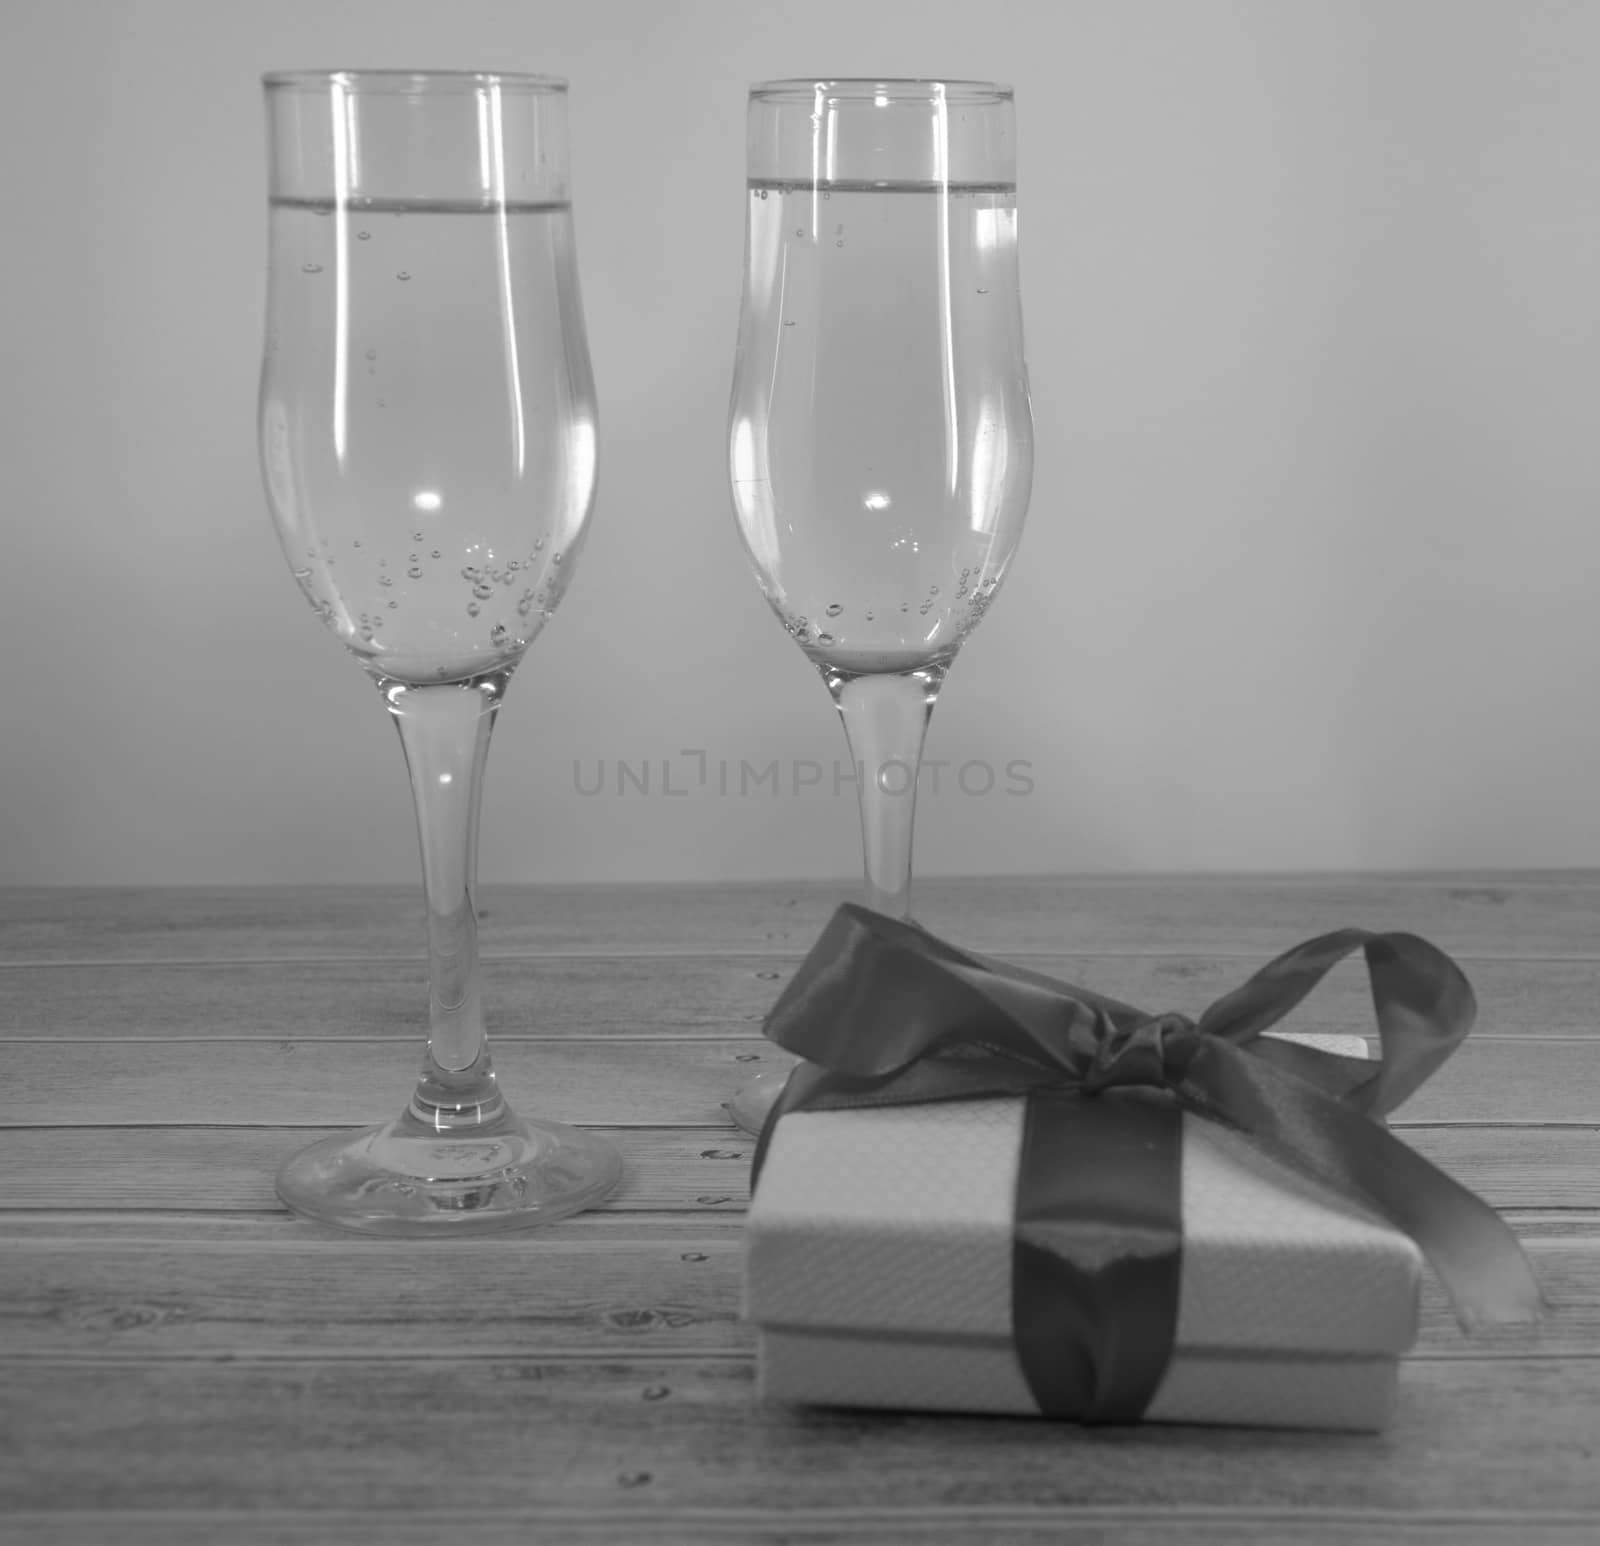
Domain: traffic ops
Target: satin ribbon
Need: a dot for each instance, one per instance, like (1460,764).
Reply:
(885,1013)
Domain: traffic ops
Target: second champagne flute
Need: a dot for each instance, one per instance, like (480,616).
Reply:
(880,436)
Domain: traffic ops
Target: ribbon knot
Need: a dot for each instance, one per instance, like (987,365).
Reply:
(1154,1052)
(885,1013)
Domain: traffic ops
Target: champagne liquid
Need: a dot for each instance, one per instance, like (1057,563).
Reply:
(428,426)
(881,445)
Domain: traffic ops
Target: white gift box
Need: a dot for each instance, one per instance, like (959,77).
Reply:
(879,1256)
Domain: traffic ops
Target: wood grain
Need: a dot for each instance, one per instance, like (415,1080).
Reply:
(610,1082)
(1217,917)
(661,996)
(195,1287)
(995,1524)
(991,1524)
(647,1435)
(230,1169)
(557,995)
(327,1083)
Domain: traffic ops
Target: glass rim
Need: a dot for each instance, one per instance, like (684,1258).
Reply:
(414,80)
(897,89)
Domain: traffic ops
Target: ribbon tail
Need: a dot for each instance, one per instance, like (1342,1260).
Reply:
(1476,1258)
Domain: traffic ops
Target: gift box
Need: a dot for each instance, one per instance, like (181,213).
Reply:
(983,1190)
(879,1273)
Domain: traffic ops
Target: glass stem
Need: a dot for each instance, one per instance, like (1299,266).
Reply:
(445,731)
(886,721)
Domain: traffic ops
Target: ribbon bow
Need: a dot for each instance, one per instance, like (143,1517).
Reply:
(885,1013)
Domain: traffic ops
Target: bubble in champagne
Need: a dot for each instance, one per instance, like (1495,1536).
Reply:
(482,591)
(363,236)
(415,571)
(437,554)
(824,638)
(310,268)
(869,617)
(402,276)
(473,609)
(499,634)
(834,608)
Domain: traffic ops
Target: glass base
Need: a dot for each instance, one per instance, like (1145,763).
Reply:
(755,1098)
(405,1178)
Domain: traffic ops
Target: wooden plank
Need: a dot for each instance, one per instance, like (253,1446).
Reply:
(230,1169)
(329,1083)
(611,995)
(597,1293)
(605,1081)
(1239,918)
(602,1285)
(1470,1434)
(170,1230)
(694,995)
(968,1524)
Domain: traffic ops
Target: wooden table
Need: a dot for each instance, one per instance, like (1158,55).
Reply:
(182,1361)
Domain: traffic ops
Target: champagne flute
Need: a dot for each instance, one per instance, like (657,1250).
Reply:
(880,439)
(428,445)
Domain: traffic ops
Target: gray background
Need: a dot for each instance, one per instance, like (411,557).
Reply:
(1310,289)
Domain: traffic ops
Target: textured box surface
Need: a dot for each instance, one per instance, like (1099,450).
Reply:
(878,1268)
